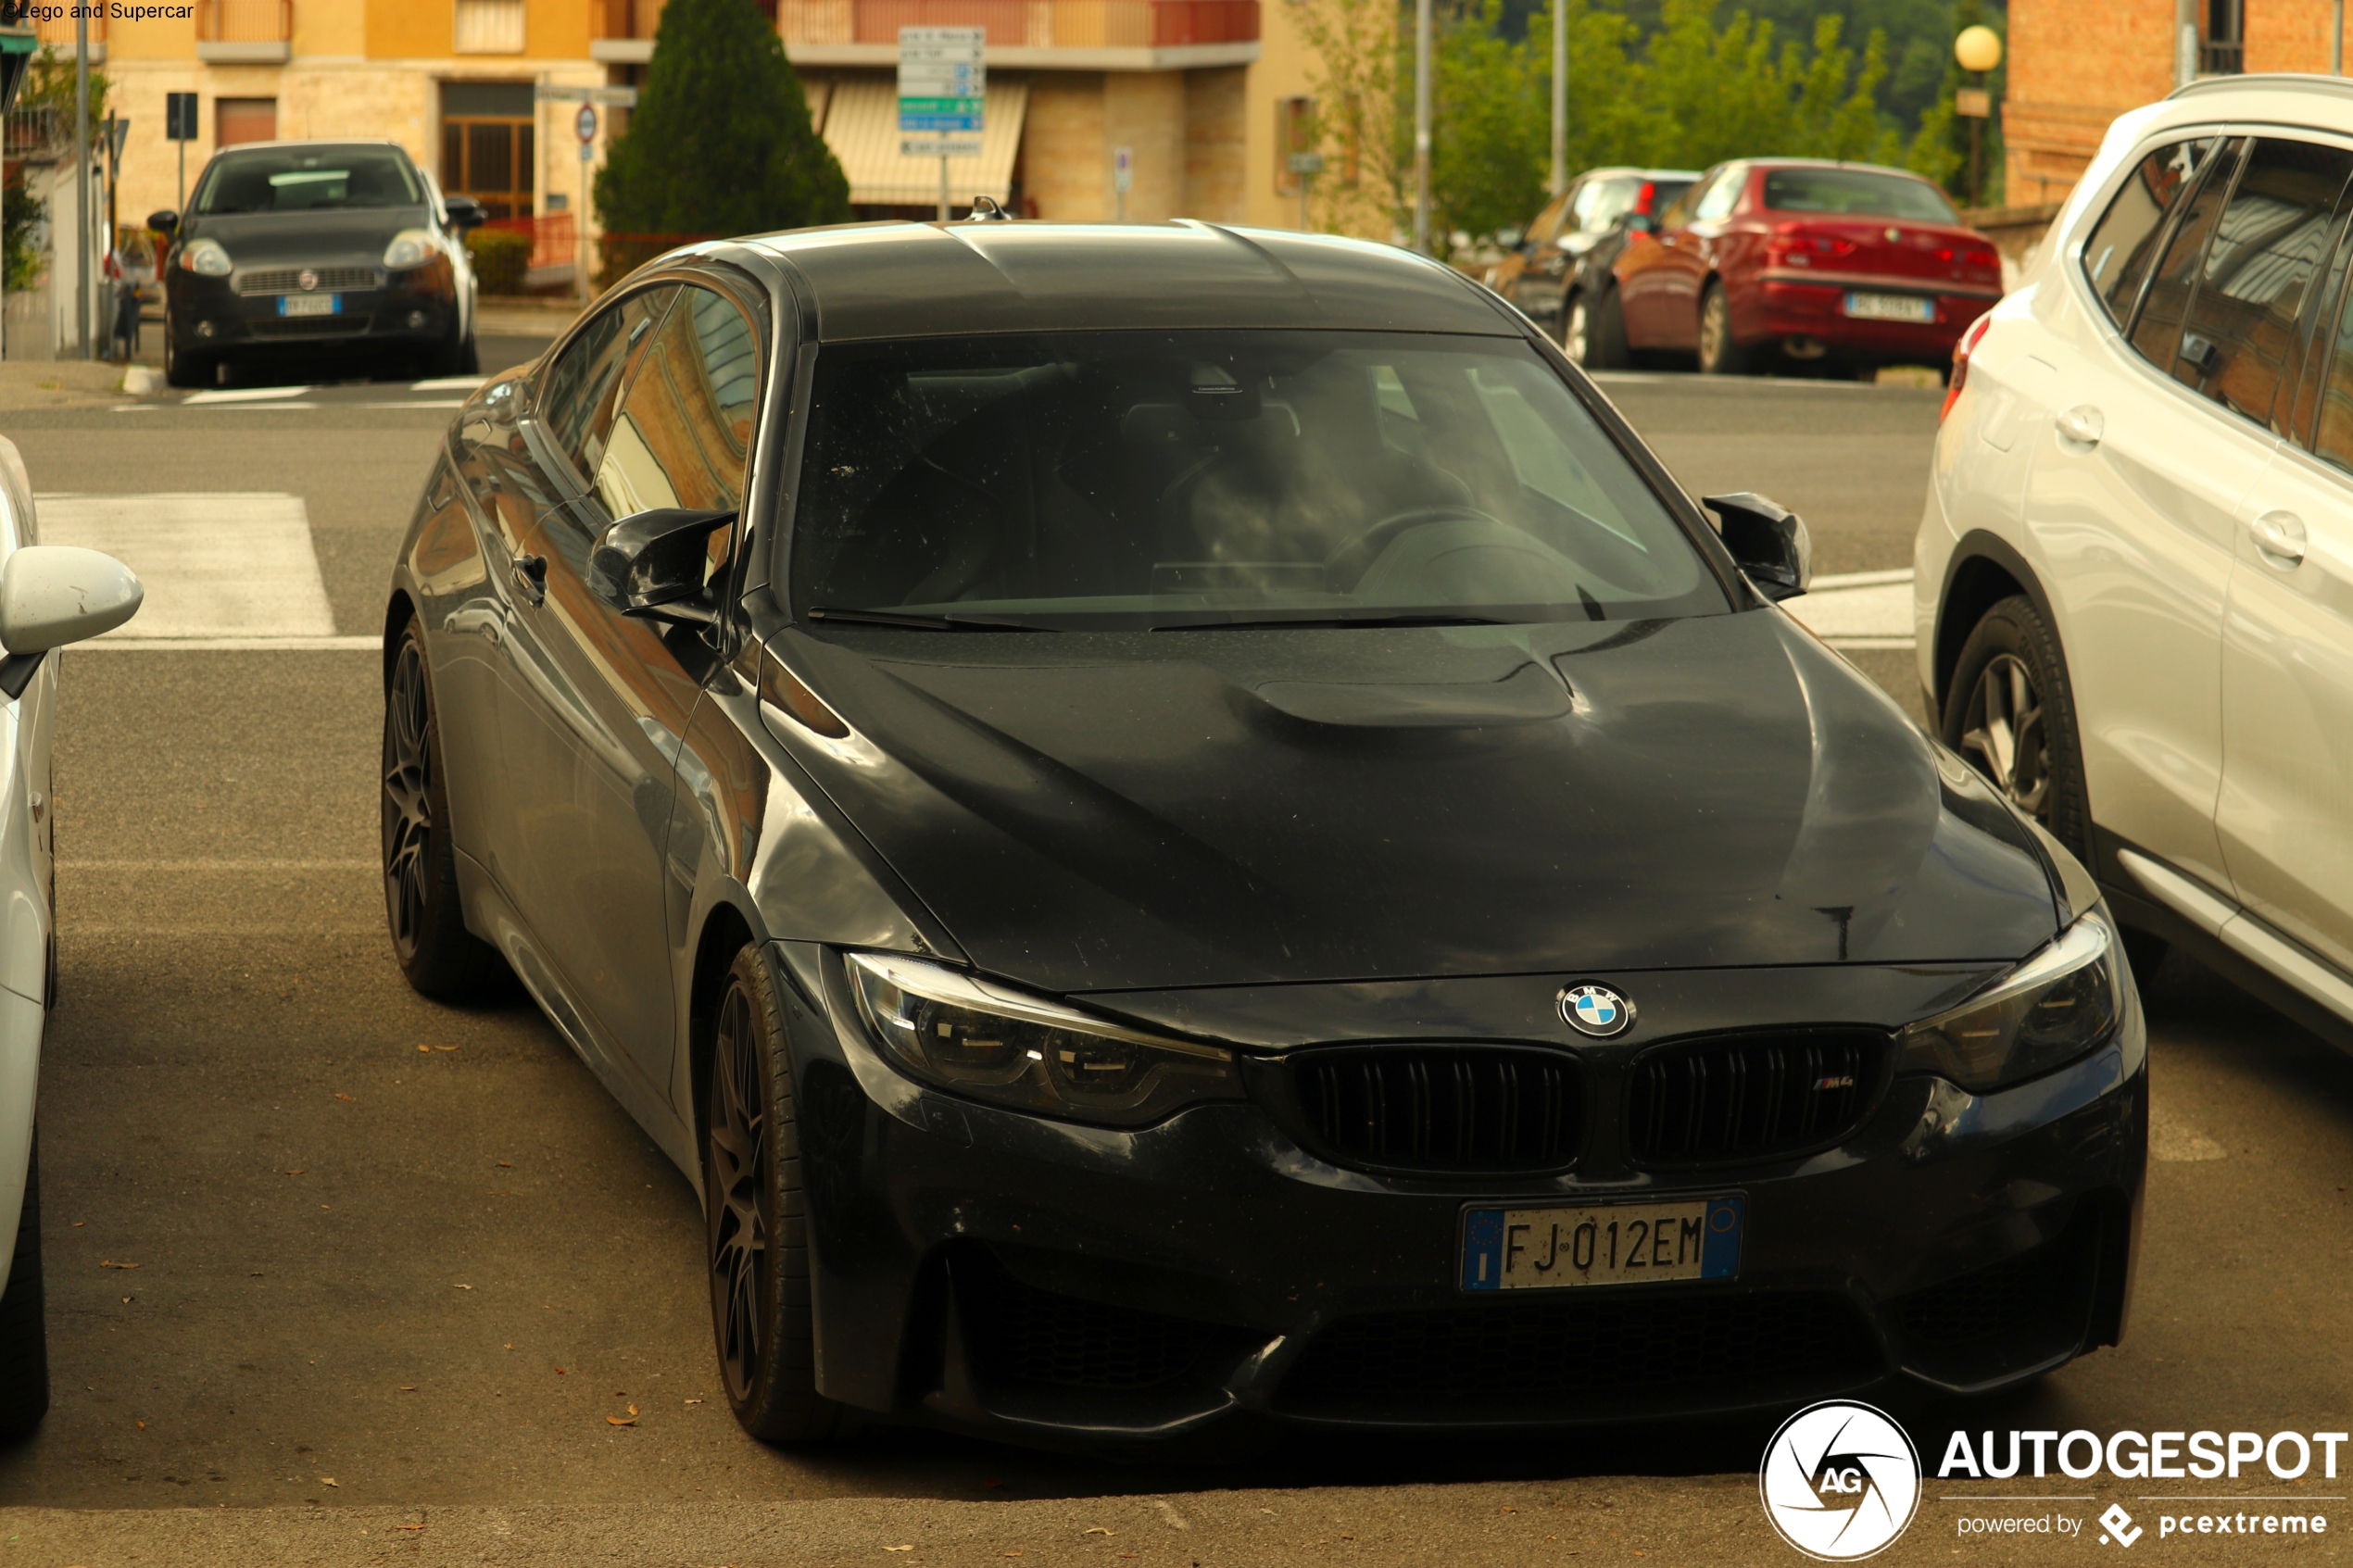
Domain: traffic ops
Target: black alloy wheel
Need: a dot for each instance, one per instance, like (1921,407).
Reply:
(440,957)
(756,1219)
(182,369)
(1719,355)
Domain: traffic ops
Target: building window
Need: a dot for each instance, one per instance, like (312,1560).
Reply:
(1298,129)
(244,120)
(489,27)
(489,133)
(1294,132)
(2225,50)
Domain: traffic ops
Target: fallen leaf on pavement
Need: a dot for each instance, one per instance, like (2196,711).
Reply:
(898,1548)
(427,1049)
(1095,1530)
(408,1526)
(78,1224)
(110,1264)
(143,1426)
(445,1048)
(617,1421)
(408,1388)
(343,1097)
(694,1402)
(506,1164)
(326,1480)
(294,1172)
(462,1286)
(560,1372)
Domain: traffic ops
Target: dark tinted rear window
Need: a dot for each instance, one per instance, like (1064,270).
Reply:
(1860,193)
(2122,248)
(307,179)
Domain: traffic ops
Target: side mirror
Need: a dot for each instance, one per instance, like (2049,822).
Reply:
(1768,542)
(465,212)
(651,565)
(1639,223)
(1508,239)
(165,222)
(52,595)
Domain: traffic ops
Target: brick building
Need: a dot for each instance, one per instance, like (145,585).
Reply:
(1198,90)
(2075,64)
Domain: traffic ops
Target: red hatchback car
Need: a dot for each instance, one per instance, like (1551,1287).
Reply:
(1770,260)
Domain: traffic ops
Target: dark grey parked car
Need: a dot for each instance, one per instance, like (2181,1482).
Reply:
(1180,827)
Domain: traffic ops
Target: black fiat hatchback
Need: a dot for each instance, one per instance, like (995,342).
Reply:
(1183,832)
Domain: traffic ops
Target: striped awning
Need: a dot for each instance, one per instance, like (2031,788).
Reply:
(862,126)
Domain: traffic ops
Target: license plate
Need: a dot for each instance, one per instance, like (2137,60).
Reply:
(309,305)
(1891,307)
(1614,1244)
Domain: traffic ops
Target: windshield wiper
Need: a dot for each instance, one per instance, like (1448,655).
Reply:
(1373,618)
(923,623)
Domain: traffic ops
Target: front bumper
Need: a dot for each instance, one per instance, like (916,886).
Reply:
(1023,1278)
(401,309)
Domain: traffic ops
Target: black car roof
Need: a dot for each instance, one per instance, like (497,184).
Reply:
(926,279)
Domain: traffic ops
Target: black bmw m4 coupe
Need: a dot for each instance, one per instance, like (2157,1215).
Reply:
(1185,835)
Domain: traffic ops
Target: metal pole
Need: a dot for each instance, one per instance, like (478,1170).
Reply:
(2184,42)
(1560,95)
(83,345)
(183,208)
(943,187)
(1421,126)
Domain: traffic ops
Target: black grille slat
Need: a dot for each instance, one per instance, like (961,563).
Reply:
(1024,1335)
(325,280)
(1750,1097)
(1451,1108)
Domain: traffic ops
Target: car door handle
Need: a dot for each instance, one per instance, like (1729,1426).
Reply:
(531,577)
(2279,539)
(2083,425)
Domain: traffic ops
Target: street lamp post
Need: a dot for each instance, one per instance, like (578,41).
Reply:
(1978,49)
(1560,97)
(1421,126)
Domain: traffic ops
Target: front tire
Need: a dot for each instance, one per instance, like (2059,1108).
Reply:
(182,368)
(1719,355)
(756,1219)
(2011,712)
(1596,333)
(24,1332)
(440,957)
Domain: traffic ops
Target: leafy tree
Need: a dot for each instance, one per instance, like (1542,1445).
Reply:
(21,259)
(719,141)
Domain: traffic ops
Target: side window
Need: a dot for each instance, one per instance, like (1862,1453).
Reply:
(2333,440)
(1548,223)
(2158,331)
(577,406)
(2123,246)
(2270,240)
(682,436)
(1678,211)
(1592,197)
(1723,193)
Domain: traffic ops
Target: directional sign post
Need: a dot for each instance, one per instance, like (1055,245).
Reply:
(1123,177)
(180,125)
(583,125)
(943,95)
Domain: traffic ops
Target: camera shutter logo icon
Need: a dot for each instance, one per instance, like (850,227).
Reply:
(1840,1481)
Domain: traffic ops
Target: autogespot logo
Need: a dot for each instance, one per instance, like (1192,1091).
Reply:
(1840,1481)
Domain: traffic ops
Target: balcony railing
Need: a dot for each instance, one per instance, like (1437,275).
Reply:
(57,32)
(245,32)
(1039,24)
(41,135)
(2222,58)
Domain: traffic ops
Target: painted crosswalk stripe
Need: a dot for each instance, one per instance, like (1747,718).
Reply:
(241,395)
(216,566)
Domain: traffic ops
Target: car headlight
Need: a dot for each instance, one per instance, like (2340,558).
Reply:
(205,256)
(2052,1009)
(1027,1053)
(410,247)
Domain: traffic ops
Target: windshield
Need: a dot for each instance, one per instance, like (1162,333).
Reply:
(1859,192)
(1173,479)
(305,179)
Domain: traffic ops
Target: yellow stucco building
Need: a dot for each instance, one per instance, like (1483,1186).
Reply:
(1198,91)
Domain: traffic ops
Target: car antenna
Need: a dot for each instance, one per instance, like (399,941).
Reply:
(985,210)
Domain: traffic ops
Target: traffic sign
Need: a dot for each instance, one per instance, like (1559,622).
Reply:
(1123,169)
(583,124)
(180,117)
(943,91)
(611,97)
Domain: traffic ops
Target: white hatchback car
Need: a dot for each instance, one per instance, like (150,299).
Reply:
(2134,576)
(50,595)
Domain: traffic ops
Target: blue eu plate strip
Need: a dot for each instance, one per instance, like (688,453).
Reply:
(1720,1254)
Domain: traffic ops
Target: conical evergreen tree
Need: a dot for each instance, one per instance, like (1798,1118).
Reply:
(719,141)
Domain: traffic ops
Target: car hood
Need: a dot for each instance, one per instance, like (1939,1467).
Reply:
(1088,812)
(261,238)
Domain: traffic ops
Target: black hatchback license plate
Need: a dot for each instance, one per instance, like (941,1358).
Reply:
(1555,1249)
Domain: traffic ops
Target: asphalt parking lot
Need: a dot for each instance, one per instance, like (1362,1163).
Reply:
(336,1274)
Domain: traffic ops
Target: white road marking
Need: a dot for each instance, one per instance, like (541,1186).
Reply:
(1858,609)
(421,403)
(448,383)
(216,567)
(231,645)
(242,395)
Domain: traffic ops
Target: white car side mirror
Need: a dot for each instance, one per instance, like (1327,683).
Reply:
(52,595)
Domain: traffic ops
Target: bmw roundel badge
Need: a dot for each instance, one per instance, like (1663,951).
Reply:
(1596,1010)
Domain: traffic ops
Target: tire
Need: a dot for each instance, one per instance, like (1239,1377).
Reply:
(2011,713)
(24,1335)
(470,357)
(186,369)
(756,1219)
(1596,334)
(1719,355)
(440,957)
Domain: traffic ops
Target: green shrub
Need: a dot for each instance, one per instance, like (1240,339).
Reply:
(501,257)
